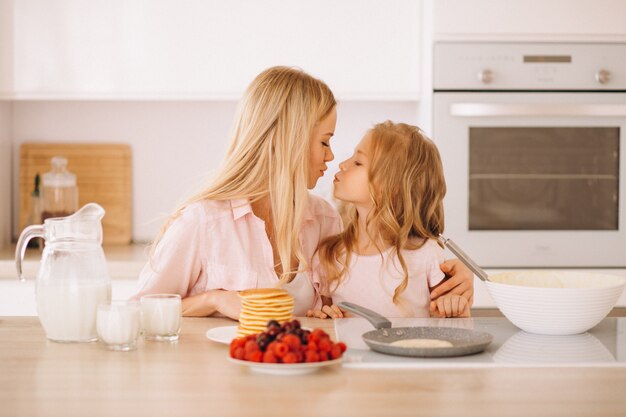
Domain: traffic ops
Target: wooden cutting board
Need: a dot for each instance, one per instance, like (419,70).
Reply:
(103,174)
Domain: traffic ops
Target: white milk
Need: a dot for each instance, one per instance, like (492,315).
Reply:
(67,308)
(118,324)
(161,317)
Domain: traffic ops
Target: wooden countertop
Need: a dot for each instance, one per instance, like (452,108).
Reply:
(193,378)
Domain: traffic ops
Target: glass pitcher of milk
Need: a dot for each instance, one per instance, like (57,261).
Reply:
(72,278)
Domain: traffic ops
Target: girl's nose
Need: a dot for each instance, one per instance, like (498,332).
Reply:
(342,165)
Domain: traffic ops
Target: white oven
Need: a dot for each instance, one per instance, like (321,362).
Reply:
(533,142)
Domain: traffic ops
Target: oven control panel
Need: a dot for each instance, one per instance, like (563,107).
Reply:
(529,66)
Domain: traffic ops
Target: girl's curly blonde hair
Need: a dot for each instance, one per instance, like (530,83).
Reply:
(407,187)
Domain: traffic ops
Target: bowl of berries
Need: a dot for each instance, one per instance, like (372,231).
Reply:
(286,349)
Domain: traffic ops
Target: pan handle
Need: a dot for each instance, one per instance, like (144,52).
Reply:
(378,321)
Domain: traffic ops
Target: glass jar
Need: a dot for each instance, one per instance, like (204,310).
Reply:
(59,192)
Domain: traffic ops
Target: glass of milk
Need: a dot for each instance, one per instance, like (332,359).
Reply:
(118,324)
(161,316)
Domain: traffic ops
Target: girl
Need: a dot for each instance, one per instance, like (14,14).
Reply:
(387,258)
(256,225)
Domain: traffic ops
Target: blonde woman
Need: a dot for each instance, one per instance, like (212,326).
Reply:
(387,258)
(256,225)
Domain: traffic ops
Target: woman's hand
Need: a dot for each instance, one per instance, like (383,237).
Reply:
(450,305)
(460,281)
(331,311)
(208,303)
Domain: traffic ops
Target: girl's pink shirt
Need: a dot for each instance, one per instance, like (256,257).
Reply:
(371,281)
(223,245)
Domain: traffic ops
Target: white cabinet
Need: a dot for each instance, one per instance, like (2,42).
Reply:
(208,49)
(6,48)
(18,298)
(581,20)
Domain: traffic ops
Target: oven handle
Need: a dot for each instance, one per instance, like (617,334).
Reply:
(536,109)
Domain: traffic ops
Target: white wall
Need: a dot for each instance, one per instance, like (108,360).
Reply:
(175,145)
(6,85)
(5,173)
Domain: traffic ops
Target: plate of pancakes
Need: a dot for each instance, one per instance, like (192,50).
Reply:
(258,307)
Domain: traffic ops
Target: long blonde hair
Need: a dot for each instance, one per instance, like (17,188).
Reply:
(269,154)
(407,186)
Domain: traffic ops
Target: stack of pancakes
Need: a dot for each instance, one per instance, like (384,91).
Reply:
(261,305)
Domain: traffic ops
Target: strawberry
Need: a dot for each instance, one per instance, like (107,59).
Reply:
(290,358)
(256,356)
(335,352)
(317,334)
(269,357)
(292,341)
(240,353)
(324,345)
(251,346)
(281,349)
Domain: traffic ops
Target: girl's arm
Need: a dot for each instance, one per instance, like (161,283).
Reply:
(208,303)
(328,310)
(450,305)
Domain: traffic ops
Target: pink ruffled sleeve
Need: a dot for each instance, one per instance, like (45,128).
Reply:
(176,264)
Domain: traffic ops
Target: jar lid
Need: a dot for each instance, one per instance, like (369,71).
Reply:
(59,176)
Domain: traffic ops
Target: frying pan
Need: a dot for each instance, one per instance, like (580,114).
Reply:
(464,341)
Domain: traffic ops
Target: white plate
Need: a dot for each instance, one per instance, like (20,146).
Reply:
(285,368)
(223,334)
(226,334)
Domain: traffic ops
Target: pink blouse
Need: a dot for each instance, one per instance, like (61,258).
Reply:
(223,245)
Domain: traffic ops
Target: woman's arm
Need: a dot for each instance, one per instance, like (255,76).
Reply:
(208,303)
(459,280)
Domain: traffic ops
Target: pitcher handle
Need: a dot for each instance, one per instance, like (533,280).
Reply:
(27,234)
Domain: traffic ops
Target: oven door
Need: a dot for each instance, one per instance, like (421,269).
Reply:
(535,179)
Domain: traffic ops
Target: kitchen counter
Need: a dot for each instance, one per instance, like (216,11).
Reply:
(193,377)
(123,261)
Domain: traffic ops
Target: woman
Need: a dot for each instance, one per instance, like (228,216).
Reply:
(256,225)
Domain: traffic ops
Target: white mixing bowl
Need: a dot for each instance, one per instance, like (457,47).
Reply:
(555,302)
